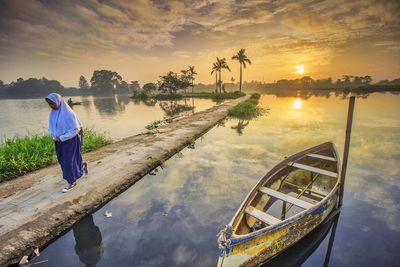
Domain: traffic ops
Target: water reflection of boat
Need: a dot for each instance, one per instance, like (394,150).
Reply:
(302,250)
(290,201)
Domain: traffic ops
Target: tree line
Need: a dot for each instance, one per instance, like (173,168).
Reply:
(172,82)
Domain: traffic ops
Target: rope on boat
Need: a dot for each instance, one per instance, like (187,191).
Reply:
(224,236)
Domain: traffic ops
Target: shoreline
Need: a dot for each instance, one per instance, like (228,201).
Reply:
(34,211)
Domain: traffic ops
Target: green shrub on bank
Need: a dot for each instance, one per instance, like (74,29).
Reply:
(20,155)
(247,109)
(142,95)
(173,96)
(153,125)
(216,96)
(255,96)
(93,140)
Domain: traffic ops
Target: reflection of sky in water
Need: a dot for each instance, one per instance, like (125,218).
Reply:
(201,190)
(118,116)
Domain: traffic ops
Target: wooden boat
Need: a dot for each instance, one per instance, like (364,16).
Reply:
(290,201)
(74,103)
(300,252)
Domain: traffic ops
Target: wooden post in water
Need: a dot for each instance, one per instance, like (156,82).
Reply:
(346,148)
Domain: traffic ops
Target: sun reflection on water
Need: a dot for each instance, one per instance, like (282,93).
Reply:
(297,103)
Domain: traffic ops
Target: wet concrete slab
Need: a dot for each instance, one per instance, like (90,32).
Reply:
(33,211)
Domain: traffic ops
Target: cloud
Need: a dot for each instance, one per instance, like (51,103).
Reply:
(311,32)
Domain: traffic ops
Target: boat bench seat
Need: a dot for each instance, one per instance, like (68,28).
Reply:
(312,169)
(292,200)
(321,157)
(262,216)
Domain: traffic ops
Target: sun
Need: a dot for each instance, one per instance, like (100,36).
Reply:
(300,69)
(297,103)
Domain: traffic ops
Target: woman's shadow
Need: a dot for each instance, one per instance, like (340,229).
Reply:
(89,246)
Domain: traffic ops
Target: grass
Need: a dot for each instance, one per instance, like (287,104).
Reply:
(20,155)
(153,125)
(93,140)
(190,142)
(247,109)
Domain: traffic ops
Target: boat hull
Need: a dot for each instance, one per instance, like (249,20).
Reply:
(256,249)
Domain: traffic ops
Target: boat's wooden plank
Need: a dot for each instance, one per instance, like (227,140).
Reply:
(321,157)
(260,215)
(297,202)
(302,188)
(313,169)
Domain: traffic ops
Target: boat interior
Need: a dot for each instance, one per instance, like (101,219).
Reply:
(298,185)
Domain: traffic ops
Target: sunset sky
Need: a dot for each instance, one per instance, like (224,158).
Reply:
(144,39)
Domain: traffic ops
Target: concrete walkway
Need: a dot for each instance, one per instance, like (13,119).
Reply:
(33,210)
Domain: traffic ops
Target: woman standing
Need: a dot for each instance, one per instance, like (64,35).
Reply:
(65,129)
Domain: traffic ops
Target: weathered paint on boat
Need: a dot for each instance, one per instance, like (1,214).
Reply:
(257,247)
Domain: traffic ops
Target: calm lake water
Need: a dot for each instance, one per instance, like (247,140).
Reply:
(171,218)
(117,116)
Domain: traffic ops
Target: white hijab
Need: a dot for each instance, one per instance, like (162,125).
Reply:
(63,119)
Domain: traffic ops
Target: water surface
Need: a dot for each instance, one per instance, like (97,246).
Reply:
(118,116)
(171,218)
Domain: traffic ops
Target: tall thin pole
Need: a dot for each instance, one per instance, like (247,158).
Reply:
(346,148)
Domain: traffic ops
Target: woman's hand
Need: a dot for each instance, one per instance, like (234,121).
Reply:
(58,140)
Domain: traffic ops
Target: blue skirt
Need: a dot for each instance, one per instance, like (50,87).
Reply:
(69,155)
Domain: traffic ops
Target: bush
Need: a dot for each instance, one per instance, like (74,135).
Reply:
(255,96)
(216,96)
(247,109)
(140,95)
(173,96)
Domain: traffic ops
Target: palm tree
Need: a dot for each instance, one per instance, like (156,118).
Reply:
(221,63)
(191,74)
(215,70)
(243,59)
(188,76)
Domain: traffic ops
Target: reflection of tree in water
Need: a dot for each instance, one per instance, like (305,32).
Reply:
(89,247)
(111,105)
(172,108)
(240,126)
(150,102)
(86,101)
(307,93)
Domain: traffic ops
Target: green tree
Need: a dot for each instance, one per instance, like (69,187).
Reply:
(148,87)
(123,87)
(105,80)
(190,74)
(172,82)
(366,79)
(83,83)
(134,86)
(221,64)
(215,70)
(243,59)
